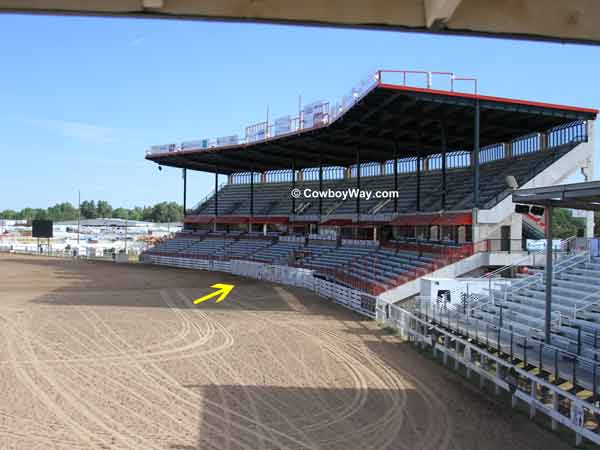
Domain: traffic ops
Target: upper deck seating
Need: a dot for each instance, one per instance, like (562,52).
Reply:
(275,198)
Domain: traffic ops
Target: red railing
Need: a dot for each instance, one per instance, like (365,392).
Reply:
(346,275)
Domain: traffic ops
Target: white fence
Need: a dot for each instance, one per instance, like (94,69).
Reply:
(350,298)
(541,396)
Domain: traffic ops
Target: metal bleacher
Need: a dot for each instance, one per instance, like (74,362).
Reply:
(511,320)
(274,198)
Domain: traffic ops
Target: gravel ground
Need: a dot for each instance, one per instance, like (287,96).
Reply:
(103,356)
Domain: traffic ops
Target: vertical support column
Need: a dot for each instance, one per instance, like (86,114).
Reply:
(549,274)
(358,184)
(396,176)
(484,363)
(444,142)
(475,161)
(554,423)
(543,141)
(184,192)
(533,394)
(320,189)
(251,200)
(216,198)
(498,377)
(468,360)
(293,187)
(456,353)
(418,206)
(446,345)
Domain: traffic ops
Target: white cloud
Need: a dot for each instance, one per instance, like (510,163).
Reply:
(77,130)
(135,42)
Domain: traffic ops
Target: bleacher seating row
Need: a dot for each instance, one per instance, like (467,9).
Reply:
(373,265)
(575,304)
(275,198)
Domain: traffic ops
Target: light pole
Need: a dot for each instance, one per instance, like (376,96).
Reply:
(78,215)
(126,223)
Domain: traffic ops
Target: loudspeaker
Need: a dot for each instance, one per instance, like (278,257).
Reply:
(522,209)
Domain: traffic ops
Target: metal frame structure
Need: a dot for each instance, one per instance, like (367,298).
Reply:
(385,122)
(585,196)
(386,116)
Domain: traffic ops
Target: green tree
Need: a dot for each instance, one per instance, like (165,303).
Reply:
(103,209)
(136,213)
(62,212)
(121,213)
(41,214)
(565,225)
(8,214)
(161,212)
(166,212)
(88,209)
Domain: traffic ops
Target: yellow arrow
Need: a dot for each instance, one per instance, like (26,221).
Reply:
(223,291)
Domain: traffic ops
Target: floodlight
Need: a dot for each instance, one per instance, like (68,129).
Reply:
(511,182)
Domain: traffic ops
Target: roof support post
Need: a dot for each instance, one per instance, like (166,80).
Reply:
(396,176)
(251,197)
(320,188)
(358,184)
(549,269)
(216,198)
(444,150)
(418,168)
(293,187)
(216,192)
(476,156)
(184,192)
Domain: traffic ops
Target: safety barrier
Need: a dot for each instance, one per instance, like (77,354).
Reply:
(561,406)
(353,299)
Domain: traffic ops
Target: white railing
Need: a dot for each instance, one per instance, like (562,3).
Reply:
(491,367)
(268,131)
(588,297)
(327,112)
(557,269)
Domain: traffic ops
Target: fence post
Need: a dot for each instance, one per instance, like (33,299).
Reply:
(533,398)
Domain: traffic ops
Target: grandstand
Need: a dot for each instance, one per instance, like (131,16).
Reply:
(446,155)
(452,161)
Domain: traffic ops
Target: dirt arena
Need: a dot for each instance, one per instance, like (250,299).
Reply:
(104,356)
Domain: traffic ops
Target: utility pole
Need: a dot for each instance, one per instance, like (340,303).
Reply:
(78,215)
(126,223)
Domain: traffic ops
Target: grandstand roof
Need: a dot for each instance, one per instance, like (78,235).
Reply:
(388,113)
(584,196)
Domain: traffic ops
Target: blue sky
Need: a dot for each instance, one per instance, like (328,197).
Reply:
(83,98)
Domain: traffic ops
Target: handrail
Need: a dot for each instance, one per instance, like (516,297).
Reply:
(550,346)
(563,243)
(208,196)
(558,268)
(583,308)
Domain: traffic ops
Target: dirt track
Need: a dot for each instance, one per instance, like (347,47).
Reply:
(99,356)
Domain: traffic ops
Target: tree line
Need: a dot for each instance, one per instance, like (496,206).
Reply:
(161,212)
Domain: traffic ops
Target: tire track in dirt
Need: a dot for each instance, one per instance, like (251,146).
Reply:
(437,437)
(79,431)
(337,353)
(173,384)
